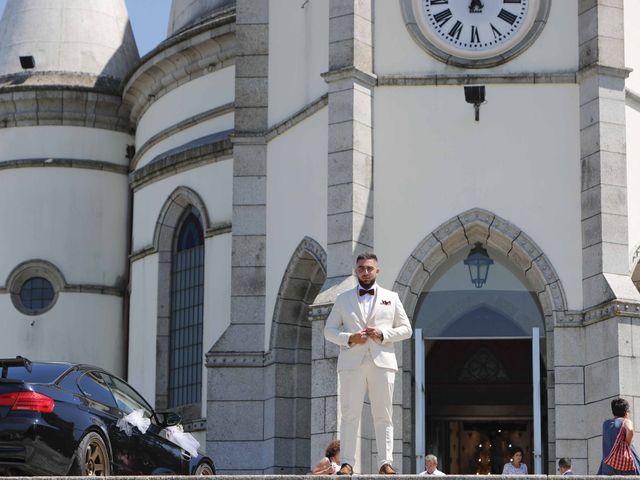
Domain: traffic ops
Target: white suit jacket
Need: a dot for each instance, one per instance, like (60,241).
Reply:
(387,315)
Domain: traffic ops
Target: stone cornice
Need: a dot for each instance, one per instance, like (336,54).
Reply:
(180,161)
(604,70)
(180,126)
(64,163)
(233,359)
(203,49)
(467,79)
(296,118)
(85,288)
(64,106)
(33,80)
(616,308)
(214,230)
(632,100)
(368,79)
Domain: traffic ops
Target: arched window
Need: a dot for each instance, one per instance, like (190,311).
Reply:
(185,334)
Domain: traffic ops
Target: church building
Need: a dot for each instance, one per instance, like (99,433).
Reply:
(187,218)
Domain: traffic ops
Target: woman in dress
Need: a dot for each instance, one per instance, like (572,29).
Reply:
(330,464)
(610,429)
(515,466)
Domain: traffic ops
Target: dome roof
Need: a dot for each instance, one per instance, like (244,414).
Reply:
(185,13)
(81,37)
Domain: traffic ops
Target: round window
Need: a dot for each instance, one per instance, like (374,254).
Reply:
(37,294)
(34,286)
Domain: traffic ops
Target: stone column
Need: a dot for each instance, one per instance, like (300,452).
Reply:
(593,355)
(605,255)
(236,385)
(350,211)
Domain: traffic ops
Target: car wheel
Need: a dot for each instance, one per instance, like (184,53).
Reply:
(204,469)
(93,457)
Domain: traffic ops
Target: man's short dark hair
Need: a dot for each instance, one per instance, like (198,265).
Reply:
(367,256)
(619,406)
(564,462)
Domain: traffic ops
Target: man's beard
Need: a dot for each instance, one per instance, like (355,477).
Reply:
(366,285)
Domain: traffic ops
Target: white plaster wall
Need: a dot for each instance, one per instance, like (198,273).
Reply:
(632,42)
(218,124)
(520,161)
(144,311)
(633,182)
(74,218)
(143,326)
(217,298)
(185,101)
(396,52)
(81,327)
(298,54)
(632,60)
(296,199)
(212,182)
(78,143)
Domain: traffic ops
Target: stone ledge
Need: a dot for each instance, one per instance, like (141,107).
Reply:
(188,55)
(64,163)
(63,106)
(209,149)
(467,79)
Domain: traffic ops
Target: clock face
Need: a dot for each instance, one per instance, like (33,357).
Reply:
(476,30)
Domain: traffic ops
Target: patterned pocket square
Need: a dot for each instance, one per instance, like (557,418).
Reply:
(386,302)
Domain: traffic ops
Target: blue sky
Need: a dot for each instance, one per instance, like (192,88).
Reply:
(149,19)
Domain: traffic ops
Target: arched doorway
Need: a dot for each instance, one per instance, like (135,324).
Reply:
(478,365)
(432,257)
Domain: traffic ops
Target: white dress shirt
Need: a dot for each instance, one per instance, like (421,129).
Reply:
(366,301)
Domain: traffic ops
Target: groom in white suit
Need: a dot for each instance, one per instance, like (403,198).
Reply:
(366,321)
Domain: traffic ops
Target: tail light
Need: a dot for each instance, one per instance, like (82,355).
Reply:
(27,401)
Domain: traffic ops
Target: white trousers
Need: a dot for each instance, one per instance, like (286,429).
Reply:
(352,387)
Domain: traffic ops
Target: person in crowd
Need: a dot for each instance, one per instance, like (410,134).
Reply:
(515,466)
(330,464)
(366,322)
(431,465)
(610,429)
(564,466)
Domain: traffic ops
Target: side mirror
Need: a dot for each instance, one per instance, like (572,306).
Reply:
(171,419)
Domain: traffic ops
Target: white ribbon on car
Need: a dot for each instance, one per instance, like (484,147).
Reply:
(134,419)
(183,439)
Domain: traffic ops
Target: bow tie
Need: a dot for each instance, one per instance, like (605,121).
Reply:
(362,291)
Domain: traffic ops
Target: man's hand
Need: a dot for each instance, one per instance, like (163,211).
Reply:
(374,333)
(358,338)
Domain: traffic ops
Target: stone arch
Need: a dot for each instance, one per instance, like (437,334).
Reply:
(634,267)
(181,201)
(478,225)
(171,214)
(461,232)
(289,358)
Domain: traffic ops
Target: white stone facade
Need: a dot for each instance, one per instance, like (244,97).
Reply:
(301,133)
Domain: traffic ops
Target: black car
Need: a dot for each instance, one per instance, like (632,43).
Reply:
(60,419)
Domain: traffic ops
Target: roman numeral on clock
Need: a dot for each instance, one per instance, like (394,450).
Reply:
(475,36)
(443,16)
(496,33)
(512,1)
(456,30)
(439,2)
(507,16)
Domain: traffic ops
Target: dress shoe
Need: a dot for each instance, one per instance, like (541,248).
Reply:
(345,469)
(386,470)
